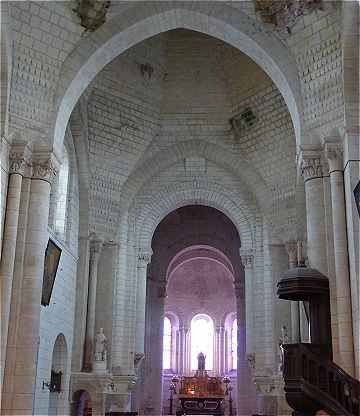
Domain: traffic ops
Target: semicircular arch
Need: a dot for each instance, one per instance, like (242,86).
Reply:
(161,205)
(120,33)
(232,163)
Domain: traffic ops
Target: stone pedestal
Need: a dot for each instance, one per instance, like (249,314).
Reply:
(100,367)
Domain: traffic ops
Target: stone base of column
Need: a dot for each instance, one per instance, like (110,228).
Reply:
(100,367)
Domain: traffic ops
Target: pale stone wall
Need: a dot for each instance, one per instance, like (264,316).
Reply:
(157,136)
(58,317)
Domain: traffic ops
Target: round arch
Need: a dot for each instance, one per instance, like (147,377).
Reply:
(59,364)
(199,252)
(139,23)
(161,205)
(236,165)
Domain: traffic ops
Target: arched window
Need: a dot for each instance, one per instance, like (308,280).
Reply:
(202,340)
(61,195)
(167,344)
(234,344)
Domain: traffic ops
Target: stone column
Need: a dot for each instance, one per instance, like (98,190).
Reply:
(153,383)
(144,257)
(334,153)
(311,166)
(243,373)
(182,359)
(222,350)
(291,248)
(19,161)
(95,251)
(247,259)
(217,350)
(82,290)
(19,388)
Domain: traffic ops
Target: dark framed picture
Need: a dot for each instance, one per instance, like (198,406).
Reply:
(51,263)
(357,197)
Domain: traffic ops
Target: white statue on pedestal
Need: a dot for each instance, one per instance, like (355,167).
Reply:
(100,346)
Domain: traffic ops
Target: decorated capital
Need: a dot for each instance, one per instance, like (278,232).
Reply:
(20,160)
(311,163)
(247,258)
(144,257)
(334,155)
(44,166)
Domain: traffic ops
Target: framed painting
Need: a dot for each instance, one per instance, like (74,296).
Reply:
(51,263)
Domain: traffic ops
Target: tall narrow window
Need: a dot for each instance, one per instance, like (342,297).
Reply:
(167,343)
(234,345)
(61,197)
(202,340)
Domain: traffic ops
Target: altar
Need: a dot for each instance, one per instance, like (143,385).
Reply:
(200,395)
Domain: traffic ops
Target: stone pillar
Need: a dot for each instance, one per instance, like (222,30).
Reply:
(291,248)
(153,383)
(182,343)
(334,154)
(222,350)
(144,257)
(247,259)
(217,351)
(19,160)
(20,381)
(95,251)
(311,167)
(82,290)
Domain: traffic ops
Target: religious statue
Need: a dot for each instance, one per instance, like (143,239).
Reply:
(284,335)
(100,346)
(201,361)
(284,339)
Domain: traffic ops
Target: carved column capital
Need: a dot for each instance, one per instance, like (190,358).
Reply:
(159,287)
(144,256)
(239,290)
(162,290)
(44,166)
(247,258)
(334,155)
(311,164)
(19,159)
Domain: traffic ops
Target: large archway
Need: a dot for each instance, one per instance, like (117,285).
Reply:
(195,237)
(134,26)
